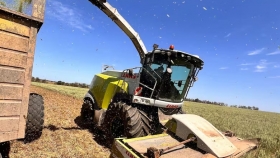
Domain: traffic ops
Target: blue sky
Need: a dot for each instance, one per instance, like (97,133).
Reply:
(238,41)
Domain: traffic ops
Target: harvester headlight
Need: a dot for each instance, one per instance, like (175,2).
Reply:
(169,53)
(169,70)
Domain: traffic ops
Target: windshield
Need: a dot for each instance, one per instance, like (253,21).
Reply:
(172,76)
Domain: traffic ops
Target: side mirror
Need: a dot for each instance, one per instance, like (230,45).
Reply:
(179,83)
(155,46)
(130,72)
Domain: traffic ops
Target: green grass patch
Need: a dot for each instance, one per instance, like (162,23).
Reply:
(76,92)
(245,123)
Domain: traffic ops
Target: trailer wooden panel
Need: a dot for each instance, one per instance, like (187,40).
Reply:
(13,42)
(12,58)
(9,124)
(14,27)
(9,108)
(18,33)
(10,91)
(11,75)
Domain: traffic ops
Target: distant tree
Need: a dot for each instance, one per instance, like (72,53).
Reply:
(255,108)
(83,85)
(37,79)
(197,100)
(76,84)
(59,82)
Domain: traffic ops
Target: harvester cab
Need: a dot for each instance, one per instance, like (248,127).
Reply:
(166,77)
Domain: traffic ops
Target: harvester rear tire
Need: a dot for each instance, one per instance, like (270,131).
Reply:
(130,121)
(35,118)
(87,112)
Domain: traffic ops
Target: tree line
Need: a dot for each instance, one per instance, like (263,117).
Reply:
(75,84)
(222,104)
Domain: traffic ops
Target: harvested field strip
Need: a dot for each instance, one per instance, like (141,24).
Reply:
(68,90)
(63,135)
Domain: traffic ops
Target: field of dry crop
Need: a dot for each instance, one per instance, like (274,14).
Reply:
(64,135)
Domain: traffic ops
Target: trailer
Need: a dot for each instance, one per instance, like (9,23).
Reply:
(21,113)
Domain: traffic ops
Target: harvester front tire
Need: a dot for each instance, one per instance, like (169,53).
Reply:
(35,118)
(122,120)
(87,112)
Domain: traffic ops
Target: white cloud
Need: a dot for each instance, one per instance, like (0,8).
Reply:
(67,15)
(223,68)
(228,35)
(255,52)
(261,66)
(274,53)
(204,8)
(243,69)
(276,66)
(247,64)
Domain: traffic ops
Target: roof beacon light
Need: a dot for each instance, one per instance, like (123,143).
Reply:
(171,47)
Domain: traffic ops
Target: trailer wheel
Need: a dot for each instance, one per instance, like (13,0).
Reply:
(87,111)
(5,148)
(35,118)
(122,120)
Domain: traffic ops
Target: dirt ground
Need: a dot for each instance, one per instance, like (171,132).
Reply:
(64,135)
